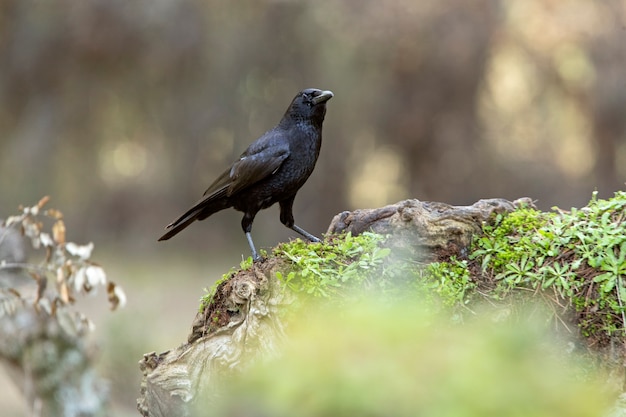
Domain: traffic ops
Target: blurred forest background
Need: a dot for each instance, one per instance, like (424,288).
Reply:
(125,111)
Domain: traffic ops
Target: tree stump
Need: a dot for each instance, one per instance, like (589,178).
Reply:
(244,324)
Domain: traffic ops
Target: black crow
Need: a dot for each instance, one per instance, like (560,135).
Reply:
(271,170)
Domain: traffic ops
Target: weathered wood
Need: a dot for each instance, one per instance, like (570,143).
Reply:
(250,302)
(247,324)
(425,228)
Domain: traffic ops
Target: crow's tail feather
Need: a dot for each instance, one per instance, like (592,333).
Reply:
(179,225)
(200,211)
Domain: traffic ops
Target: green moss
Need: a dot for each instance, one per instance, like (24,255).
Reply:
(348,263)
(209,293)
(451,281)
(508,239)
(571,258)
(577,256)
(325,268)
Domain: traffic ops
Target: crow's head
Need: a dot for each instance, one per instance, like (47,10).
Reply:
(309,104)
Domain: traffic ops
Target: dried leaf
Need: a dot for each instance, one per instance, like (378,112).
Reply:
(42,283)
(34,210)
(75,273)
(117,297)
(79,280)
(64,293)
(83,324)
(46,240)
(61,274)
(82,251)
(14,292)
(54,213)
(58,232)
(43,201)
(32,230)
(12,220)
(95,275)
(10,301)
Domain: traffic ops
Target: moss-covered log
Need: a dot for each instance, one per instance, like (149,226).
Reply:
(457,259)
(243,318)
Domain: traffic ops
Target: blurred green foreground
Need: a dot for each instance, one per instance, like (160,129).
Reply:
(380,360)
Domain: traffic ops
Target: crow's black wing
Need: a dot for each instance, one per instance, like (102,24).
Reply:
(253,168)
(259,161)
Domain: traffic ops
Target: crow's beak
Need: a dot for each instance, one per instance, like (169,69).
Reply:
(323,97)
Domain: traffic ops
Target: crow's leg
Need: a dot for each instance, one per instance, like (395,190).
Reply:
(286,218)
(304,233)
(255,255)
(246,225)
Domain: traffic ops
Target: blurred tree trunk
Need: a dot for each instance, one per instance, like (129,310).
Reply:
(437,70)
(608,101)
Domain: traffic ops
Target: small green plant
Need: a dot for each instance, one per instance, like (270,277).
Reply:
(578,255)
(348,262)
(506,241)
(324,268)
(451,281)
(571,258)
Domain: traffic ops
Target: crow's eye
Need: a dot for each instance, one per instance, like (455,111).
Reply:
(307,98)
